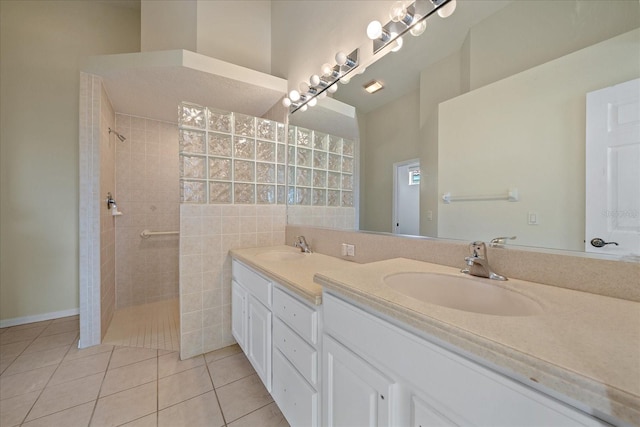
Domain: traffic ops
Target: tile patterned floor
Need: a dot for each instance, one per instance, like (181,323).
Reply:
(45,380)
(153,325)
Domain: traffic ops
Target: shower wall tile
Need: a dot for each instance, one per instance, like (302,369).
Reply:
(148,191)
(207,233)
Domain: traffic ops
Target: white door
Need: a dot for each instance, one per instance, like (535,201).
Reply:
(406,197)
(613,170)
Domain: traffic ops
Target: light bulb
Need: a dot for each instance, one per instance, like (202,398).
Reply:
(374,30)
(322,95)
(333,88)
(304,87)
(286,102)
(345,80)
(341,58)
(303,108)
(312,102)
(326,69)
(361,70)
(314,80)
(418,28)
(397,41)
(397,11)
(294,95)
(446,10)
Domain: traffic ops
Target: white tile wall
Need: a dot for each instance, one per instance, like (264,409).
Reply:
(148,195)
(207,232)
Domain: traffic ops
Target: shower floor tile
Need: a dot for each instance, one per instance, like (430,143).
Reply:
(155,325)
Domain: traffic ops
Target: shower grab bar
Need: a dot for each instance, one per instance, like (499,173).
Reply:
(511,196)
(148,233)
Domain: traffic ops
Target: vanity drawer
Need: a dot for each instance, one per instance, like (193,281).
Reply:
(299,317)
(300,354)
(257,285)
(297,400)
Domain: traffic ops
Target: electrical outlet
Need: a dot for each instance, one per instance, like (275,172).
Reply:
(348,250)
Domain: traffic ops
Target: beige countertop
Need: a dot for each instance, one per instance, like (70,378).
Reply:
(584,346)
(296,273)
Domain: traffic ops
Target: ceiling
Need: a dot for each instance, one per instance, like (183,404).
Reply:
(152,84)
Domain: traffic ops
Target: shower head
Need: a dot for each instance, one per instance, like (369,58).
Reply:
(120,137)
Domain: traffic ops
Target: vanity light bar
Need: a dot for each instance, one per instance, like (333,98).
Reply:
(345,64)
(413,21)
(373,86)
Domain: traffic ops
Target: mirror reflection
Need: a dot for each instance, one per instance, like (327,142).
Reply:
(490,107)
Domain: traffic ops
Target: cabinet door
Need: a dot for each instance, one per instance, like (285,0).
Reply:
(423,415)
(239,314)
(259,340)
(355,393)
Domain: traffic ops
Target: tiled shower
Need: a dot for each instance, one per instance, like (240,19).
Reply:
(221,180)
(147,186)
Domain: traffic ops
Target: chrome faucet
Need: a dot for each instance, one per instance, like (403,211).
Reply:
(478,262)
(301,243)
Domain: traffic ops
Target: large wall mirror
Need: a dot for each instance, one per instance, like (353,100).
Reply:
(489,106)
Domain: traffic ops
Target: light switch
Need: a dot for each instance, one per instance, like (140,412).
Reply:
(532,218)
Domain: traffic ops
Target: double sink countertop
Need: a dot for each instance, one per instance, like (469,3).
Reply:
(583,346)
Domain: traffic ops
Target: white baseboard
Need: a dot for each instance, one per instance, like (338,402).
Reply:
(38,317)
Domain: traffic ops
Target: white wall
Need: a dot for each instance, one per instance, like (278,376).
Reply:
(238,32)
(41,43)
(489,141)
(168,24)
(532,32)
(392,136)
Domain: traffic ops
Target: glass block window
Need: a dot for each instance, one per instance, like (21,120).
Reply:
(320,169)
(232,158)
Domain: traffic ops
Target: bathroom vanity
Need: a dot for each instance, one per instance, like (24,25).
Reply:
(336,345)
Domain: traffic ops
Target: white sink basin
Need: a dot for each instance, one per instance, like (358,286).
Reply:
(463,293)
(281,256)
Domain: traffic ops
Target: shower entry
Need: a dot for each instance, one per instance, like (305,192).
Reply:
(147,243)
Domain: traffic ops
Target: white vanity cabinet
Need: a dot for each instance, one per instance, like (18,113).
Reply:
(296,370)
(366,358)
(280,334)
(251,318)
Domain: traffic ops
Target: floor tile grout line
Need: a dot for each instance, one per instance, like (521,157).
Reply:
(95,404)
(255,410)
(47,383)
(224,419)
(158,389)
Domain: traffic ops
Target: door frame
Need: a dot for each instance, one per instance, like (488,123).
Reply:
(394,206)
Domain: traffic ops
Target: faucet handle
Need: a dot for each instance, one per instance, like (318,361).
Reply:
(499,242)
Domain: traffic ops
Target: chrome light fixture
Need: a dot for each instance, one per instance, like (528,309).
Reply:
(411,18)
(319,84)
(404,19)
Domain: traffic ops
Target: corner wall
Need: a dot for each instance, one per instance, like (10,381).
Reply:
(107,220)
